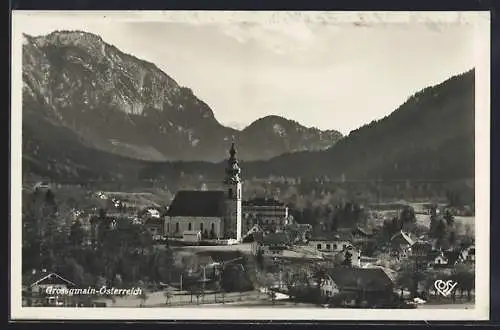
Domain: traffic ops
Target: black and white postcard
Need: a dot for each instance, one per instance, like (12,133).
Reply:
(250,165)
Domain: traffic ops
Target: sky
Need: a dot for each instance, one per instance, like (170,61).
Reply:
(326,75)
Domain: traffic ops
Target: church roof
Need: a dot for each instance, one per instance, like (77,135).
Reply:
(262,202)
(197,203)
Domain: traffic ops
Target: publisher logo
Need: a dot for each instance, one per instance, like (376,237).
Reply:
(445,288)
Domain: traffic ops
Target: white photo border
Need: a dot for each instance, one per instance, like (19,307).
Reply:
(481,22)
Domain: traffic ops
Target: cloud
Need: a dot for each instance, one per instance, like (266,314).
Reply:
(278,38)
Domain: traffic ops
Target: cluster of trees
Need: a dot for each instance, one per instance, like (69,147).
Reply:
(111,251)
(419,279)
(447,232)
(406,221)
(330,218)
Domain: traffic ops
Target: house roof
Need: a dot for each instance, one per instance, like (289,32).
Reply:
(452,256)
(263,202)
(369,279)
(422,247)
(406,237)
(221,256)
(332,237)
(197,203)
(298,227)
(363,231)
(281,238)
(46,278)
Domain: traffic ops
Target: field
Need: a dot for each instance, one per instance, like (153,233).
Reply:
(139,200)
(424,220)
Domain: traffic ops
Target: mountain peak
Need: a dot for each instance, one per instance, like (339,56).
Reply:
(117,103)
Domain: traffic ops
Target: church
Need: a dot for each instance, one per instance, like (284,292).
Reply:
(215,213)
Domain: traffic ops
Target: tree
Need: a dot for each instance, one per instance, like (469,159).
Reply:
(468,234)
(448,217)
(433,220)
(440,233)
(260,258)
(452,238)
(77,233)
(347,259)
(410,275)
(118,281)
(168,296)
(465,277)
(144,297)
(338,259)
(272,294)
(74,271)
(408,218)
(234,279)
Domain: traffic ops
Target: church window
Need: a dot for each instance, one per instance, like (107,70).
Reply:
(239,193)
(213,226)
(201,226)
(176,227)
(168,227)
(190,226)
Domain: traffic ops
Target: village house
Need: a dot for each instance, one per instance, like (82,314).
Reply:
(211,263)
(468,254)
(401,244)
(355,287)
(40,289)
(329,246)
(254,234)
(275,244)
(329,243)
(421,249)
(269,214)
(443,259)
(361,235)
(300,233)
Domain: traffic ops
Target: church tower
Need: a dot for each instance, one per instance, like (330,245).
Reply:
(232,183)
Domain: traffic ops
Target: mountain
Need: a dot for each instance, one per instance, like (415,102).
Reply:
(430,138)
(270,133)
(116,103)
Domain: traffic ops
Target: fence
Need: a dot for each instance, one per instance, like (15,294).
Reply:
(213,298)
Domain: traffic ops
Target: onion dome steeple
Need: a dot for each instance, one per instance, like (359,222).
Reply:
(232,170)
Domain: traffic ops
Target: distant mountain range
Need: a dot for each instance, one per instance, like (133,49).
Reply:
(430,138)
(114,102)
(68,129)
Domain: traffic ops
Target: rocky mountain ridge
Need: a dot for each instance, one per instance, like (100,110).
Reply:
(119,104)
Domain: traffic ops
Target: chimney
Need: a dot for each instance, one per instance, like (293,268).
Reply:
(44,270)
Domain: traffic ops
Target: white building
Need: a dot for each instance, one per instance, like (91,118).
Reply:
(267,213)
(215,213)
